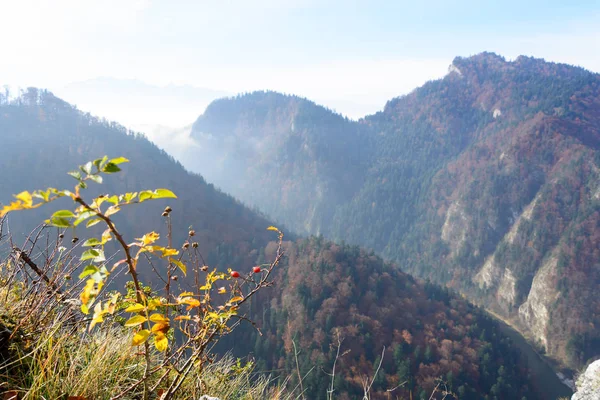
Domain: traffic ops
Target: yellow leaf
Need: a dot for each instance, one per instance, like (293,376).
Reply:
(87,294)
(179,264)
(97,318)
(236,298)
(106,236)
(183,317)
(161,342)
(26,198)
(140,337)
(159,318)
(153,303)
(222,290)
(135,308)
(191,302)
(135,321)
(186,294)
(166,252)
(213,316)
(272,228)
(112,210)
(149,238)
(112,304)
(160,328)
(15,206)
(163,193)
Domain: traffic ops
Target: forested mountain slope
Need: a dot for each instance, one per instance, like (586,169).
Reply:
(43,137)
(320,289)
(341,298)
(486,180)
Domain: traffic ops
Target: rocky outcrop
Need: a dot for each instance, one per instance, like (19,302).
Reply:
(535,312)
(588,384)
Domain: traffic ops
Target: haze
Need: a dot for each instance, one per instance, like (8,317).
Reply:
(350,56)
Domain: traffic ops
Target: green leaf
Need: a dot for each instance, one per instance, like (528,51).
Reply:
(97,277)
(82,217)
(93,222)
(111,210)
(96,178)
(63,214)
(145,195)
(100,161)
(88,270)
(83,185)
(100,258)
(92,242)
(129,196)
(89,254)
(113,199)
(75,174)
(41,194)
(163,193)
(87,168)
(111,168)
(135,321)
(60,222)
(119,160)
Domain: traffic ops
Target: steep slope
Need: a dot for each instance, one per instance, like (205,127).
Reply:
(321,287)
(314,158)
(343,296)
(485,180)
(42,138)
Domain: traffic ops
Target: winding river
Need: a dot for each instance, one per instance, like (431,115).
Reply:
(546,382)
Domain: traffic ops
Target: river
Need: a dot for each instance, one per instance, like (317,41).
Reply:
(544,378)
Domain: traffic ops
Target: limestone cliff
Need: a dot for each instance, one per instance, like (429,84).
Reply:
(588,384)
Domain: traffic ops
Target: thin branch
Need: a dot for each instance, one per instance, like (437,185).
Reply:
(21,255)
(337,355)
(367,388)
(298,370)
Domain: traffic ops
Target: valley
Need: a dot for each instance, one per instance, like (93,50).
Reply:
(484,181)
(482,185)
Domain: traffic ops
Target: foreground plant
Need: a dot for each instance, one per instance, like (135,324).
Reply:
(154,316)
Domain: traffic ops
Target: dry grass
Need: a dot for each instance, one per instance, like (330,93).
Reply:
(51,356)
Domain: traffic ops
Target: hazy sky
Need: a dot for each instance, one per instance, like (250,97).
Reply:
(349,55)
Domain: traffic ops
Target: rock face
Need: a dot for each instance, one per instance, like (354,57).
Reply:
(588,384)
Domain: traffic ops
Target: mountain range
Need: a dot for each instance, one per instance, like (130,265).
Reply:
(486,181)
(419,332)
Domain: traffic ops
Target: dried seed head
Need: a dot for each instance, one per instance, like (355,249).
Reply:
(74,240)
(186,245)
(195,245)
(192,232)
(204,268)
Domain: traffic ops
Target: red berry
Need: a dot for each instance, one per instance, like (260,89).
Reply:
(256,269)
(235,274)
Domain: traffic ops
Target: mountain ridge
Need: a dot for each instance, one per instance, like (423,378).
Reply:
(439,178)
(40,133)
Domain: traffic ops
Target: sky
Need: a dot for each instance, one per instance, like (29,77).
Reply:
(351,56)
